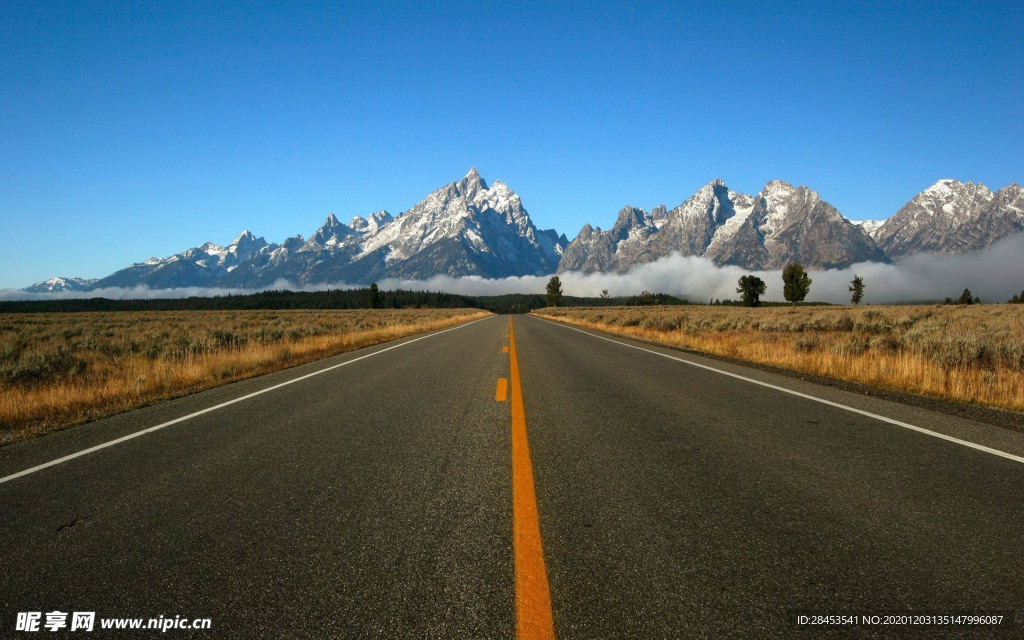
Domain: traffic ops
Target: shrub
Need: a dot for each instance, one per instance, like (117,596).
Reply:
(854,345)
(887,343)
(806,343)
(36,368)
(963,353)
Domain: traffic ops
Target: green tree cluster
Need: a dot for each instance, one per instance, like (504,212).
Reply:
(752,288)
(795,283)
(965,298)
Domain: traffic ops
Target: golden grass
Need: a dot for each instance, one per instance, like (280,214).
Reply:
(58,369)
(972,354)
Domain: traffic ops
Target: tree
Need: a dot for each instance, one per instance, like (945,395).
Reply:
(966,297)
(645,298)
(795,283)
(1015,299)
(604,294)
(752,289)
(374,296)
(554,292)
(857,287)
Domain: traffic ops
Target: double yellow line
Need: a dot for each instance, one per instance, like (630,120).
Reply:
(534,619)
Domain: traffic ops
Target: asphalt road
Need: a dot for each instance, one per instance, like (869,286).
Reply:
(375,499)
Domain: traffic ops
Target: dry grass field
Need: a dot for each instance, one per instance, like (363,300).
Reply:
(58,369)
(971,354)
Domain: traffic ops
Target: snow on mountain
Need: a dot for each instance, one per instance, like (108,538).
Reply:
(199,266)
(372,223)
(870,227)
(952,217)
(471,228)
(463,228)
(331,234)
(60,285)
(781,224)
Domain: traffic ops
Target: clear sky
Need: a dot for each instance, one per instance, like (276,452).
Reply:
(131,129)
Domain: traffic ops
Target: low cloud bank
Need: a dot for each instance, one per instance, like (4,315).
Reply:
(994,274)
(142,292)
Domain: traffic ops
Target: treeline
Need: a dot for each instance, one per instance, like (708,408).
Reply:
(764,303)
(332,299)
(526,302)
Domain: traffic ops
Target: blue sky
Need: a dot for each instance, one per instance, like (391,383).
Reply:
(131,129)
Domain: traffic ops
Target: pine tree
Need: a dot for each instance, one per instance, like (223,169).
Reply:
(554,292)
(795,282)
(857,287)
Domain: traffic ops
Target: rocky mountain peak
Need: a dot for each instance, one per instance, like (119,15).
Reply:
(241,248)
(245,236)
(630,218)
(471,184)
(948,217)
(1010,197)
(371,223)
(61,284)
(331,233)
(957,195)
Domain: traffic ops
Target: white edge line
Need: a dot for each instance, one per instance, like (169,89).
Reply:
(111,443)
(966,443)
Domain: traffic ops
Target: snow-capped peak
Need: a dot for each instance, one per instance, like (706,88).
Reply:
(61,284)
(330,234)
(951,199)
(245,236)
(471,184)
(944,186)
(779,197)
(371,223)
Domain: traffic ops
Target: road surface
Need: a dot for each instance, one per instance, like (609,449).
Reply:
(384,493)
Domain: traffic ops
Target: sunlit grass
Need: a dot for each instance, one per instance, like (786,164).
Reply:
(58,369)
(972,354)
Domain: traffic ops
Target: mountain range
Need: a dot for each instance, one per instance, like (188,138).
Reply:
(469,228)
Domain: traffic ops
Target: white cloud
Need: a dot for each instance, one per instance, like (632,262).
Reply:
(143,292)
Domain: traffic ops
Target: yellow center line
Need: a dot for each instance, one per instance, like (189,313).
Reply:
(534,619)
(504,349)
(501,393)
